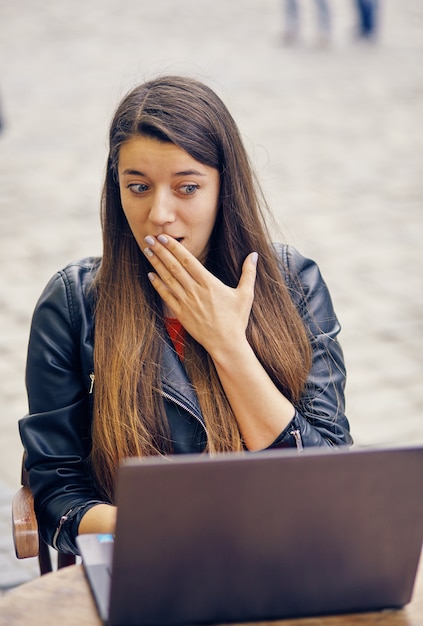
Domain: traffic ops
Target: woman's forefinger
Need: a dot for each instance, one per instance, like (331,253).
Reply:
(172,261)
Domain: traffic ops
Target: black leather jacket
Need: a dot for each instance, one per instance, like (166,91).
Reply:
(60,382)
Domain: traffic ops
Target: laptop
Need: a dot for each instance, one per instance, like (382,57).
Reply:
(259,536)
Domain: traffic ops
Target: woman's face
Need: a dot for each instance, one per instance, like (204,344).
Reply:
(165,190)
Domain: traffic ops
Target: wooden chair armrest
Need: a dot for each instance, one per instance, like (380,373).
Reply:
(25,526)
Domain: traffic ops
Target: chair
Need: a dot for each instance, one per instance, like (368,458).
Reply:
(26,535)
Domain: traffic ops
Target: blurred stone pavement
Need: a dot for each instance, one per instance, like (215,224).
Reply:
(335,134)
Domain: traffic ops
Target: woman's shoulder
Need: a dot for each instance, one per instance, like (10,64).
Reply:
(77,273)
(81,268)
(81,272)
(308,289)
(71,285)
(294,266)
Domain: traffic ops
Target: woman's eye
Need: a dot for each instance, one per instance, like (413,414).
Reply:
(138,187)
(189,189)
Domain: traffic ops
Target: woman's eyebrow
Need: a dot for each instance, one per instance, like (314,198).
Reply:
(130,172)
(189,173)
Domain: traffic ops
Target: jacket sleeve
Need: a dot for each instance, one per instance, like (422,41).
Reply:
(56,433)
(319,418)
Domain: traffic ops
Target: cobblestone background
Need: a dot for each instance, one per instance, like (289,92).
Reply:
(335,134)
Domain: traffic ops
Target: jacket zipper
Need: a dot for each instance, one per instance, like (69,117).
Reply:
(185,407)
(62,520)
(295,433)
(298,441)
(165,395)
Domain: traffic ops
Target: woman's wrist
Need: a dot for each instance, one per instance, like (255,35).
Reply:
(98,519)
(230,352)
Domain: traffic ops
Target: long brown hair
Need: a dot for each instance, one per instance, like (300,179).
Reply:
(129,417)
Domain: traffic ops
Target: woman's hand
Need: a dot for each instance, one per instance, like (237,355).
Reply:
(217,316)
(213,313)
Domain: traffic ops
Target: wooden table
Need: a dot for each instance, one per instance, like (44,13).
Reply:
(63,598)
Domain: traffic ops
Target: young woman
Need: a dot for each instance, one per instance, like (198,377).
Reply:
(192,333)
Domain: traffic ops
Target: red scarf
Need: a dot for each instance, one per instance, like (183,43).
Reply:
(177,334)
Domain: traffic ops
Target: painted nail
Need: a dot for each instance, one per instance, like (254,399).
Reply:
(163,239)
(148,252)
(254,258)
(149,239)
(151,276)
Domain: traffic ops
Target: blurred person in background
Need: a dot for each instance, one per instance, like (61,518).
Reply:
(367,11)
(291,34)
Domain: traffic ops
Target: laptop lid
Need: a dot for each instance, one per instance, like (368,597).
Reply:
(267,535)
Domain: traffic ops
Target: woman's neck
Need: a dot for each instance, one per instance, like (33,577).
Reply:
(167,312)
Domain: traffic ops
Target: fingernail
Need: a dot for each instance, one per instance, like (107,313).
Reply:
(151,276)
(163,239)
(254,258)
(149,239)
(148,252)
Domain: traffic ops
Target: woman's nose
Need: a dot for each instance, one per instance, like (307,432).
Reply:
(162,210)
